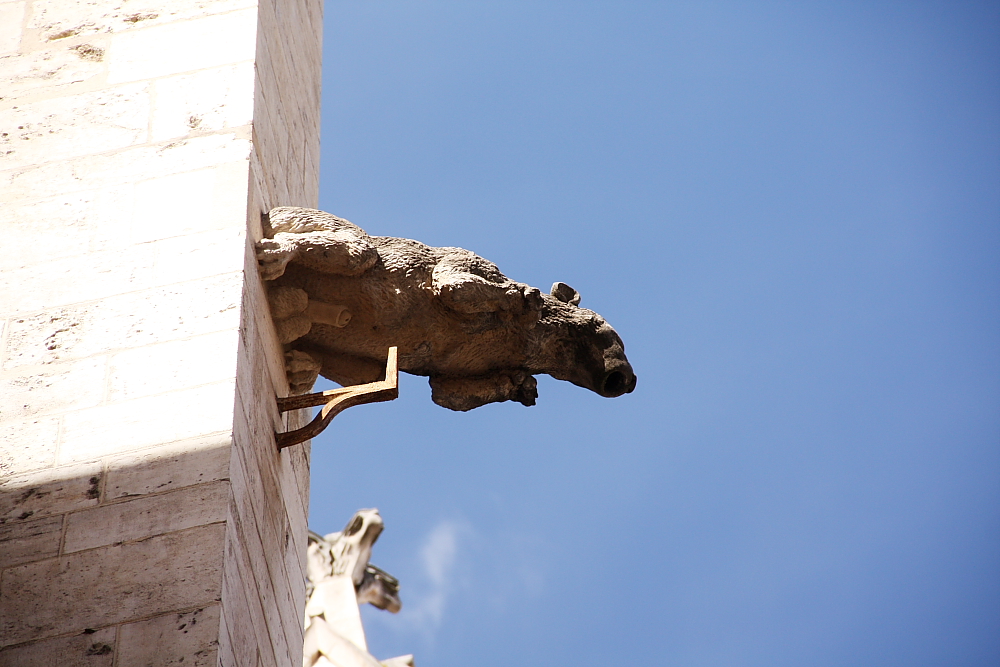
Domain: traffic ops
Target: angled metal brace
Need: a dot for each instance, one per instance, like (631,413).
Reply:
(335,401)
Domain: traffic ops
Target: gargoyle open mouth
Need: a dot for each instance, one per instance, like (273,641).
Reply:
(617,383)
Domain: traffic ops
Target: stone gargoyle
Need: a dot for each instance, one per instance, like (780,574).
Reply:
(340,298)
(339,578)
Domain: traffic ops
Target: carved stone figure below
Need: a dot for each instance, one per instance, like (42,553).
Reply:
(339,579)
(340,298)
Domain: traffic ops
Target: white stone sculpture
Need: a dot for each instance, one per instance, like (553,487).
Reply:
(340,579)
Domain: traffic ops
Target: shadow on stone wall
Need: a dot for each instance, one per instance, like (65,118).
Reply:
(147,558)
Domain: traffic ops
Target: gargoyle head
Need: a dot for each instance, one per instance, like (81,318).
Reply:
(587,350)
(345,552)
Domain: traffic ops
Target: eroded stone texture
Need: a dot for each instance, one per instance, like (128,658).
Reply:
(24,541)
(93,648)
(188,639)
(341,298)
(111,584)
(169,467)
(192,45)
(59,20)
(140,518)
(124,321)
(208,100)
(60,65)
(27,444)
(50,492)
(35,391)
(11,15)
(87,123)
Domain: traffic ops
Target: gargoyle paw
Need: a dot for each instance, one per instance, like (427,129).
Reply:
(467,393)
(302,370)
(525,389)
(273,256)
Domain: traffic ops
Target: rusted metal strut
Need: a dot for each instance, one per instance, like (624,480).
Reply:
(335,401)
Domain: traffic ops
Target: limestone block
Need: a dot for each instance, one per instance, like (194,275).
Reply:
(155,369)
(39,71)
(72,224)
(31,391)
(25,541)
(273,69)
(126,321)
(259,337)
(311,176)
(71,126)
(72,280)
(112,584)
(299,50)
(124,166)
(227,655)
(264,567)
(59,19)
(281,525)
(172,466)
(108,429)
(30,338)
(188,639)
(269,148)
(139,518)
(298,463)
(86,649)
(261,421)
(312,15)
(153,52)
(50,492)
(288,485)
(27,444)
(245,624)
(272,551)
(206,101)
(259,346)
(214,198)
(262,190)
(199,255)
(293,522)
(11,20)
(243,586)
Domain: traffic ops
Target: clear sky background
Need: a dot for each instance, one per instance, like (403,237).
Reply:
(791,214)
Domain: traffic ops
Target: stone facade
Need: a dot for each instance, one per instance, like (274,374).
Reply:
(146,516)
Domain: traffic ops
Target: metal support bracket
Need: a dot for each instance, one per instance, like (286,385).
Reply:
(335,401)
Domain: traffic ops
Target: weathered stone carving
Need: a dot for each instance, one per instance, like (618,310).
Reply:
(340,298)
(339,579)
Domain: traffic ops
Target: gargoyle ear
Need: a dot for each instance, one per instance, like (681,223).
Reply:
(565,293)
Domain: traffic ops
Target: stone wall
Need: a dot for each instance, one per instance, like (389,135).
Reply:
(145,514)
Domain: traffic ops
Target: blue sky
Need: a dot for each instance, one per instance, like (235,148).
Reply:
(791,214)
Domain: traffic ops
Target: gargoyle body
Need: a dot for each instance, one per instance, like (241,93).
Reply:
(341,298)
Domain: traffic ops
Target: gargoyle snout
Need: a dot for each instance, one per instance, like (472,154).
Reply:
(617,382)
